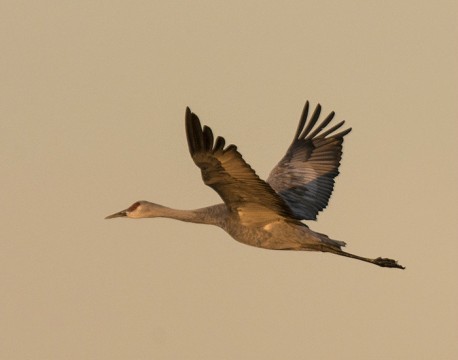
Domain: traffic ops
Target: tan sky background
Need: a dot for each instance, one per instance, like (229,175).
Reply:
(92,99)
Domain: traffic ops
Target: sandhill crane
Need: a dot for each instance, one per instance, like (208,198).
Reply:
(266,214)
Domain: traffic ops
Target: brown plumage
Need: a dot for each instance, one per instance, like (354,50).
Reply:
(259,213)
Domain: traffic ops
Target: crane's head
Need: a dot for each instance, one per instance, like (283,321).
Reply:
(139,209)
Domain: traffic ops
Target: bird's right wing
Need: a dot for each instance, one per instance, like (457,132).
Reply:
(224,170)
(304,177)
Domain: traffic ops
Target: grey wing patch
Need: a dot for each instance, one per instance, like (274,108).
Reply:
(304,177)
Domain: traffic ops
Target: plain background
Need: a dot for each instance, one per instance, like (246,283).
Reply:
(92,99)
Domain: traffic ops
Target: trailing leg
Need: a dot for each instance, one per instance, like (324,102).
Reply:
(383,262)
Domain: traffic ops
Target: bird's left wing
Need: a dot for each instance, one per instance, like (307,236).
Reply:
(224,170)
(304,177)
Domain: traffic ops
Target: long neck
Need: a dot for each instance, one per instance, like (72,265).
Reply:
(213,215)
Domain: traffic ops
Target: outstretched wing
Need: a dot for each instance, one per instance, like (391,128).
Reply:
(304,178)
(224,170)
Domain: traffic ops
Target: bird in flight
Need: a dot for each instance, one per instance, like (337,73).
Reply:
(266,214)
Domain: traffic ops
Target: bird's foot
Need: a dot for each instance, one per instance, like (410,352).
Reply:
(384,262)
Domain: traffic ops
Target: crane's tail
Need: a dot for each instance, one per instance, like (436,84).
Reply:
(333,243)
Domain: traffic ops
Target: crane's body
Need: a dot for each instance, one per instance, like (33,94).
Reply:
(265,214)
(277,235)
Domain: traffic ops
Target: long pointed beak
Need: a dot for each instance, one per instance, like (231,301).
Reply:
(118,214)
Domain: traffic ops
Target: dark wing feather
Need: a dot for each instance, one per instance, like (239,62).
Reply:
(304,178)
(224,170)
